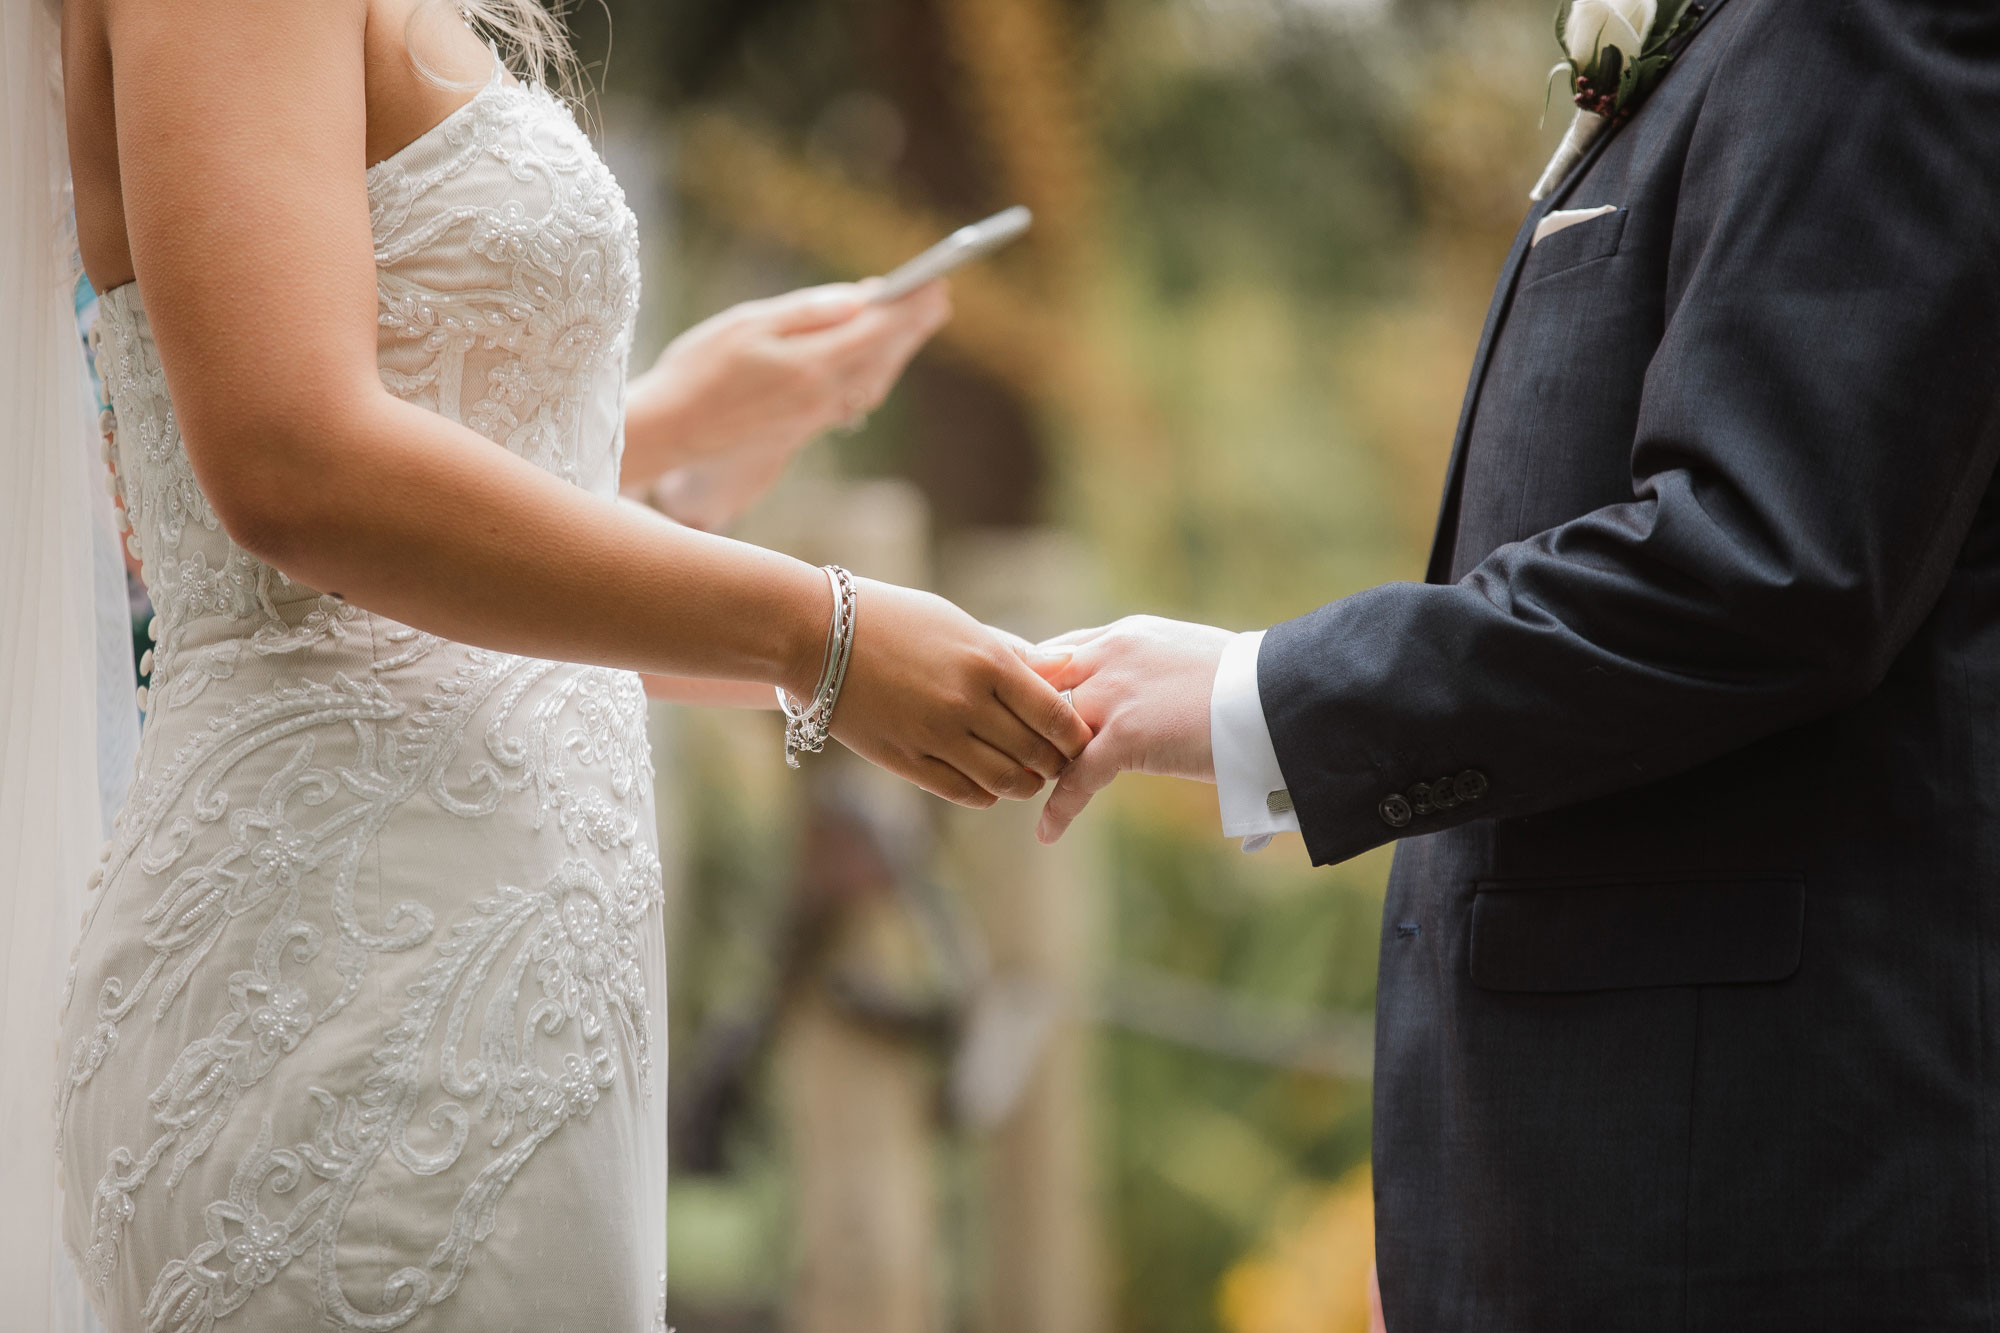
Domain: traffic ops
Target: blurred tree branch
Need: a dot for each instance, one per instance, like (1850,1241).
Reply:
(1028,323)
(761,188)
(1024,89)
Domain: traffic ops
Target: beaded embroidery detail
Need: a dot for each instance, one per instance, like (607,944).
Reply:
(508,286)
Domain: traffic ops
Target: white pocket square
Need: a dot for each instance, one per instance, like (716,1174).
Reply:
(1556,222)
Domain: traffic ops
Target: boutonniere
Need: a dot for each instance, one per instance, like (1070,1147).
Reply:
(1615,53)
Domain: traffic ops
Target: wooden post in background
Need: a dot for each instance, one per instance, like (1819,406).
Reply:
(1029,1067)
(859,1104)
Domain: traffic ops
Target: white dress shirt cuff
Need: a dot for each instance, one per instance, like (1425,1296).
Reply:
(1248,781)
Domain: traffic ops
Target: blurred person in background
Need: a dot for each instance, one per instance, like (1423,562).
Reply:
(1689,738)
(364,1027)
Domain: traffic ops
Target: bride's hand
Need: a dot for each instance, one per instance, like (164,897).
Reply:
(730,401)
(940,699)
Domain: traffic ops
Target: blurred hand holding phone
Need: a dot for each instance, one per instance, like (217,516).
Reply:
(792,366)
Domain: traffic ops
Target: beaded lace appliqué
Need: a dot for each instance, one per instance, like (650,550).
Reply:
(508,307)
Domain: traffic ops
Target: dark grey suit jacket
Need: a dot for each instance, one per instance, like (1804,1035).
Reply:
(1689,1013)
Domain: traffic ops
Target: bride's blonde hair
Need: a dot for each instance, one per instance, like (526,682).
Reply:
(528,34)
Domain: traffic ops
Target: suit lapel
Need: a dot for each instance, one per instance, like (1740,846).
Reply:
(1444,542)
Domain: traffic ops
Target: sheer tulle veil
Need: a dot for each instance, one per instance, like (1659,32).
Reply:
(54,531)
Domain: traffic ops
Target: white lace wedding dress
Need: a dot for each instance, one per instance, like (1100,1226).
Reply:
(365,1029)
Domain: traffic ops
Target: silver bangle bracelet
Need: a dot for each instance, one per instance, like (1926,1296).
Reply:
(808,724)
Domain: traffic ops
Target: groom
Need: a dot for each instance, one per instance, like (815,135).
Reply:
(1689,1011)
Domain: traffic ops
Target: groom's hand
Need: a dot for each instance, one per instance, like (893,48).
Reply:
(1143,686)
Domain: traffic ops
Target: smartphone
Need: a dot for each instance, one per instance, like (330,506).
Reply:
(962,246)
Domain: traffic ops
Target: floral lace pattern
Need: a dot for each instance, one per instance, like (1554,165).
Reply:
(378,927)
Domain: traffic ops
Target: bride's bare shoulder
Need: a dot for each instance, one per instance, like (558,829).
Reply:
(144,62)
(126,61)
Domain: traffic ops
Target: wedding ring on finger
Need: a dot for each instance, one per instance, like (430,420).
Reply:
(855,405)
(1069,699)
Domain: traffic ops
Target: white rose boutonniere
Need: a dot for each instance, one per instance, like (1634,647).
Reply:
(1615,52)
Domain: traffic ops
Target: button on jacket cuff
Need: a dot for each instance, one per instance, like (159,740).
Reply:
(1248,782)
(1360,712)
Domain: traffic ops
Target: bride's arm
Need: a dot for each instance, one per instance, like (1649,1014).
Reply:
(242,139)
(717,420)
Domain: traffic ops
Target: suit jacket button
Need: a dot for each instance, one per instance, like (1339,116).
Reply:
(1444,793)
(1420,799)
(1470,785)
(1395,811)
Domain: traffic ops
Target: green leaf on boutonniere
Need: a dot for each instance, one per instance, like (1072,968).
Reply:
(1616,52)
(1609,77)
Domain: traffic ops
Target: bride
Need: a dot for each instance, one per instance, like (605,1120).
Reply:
(364,1027)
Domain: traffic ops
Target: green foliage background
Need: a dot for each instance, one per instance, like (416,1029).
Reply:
(1305,202)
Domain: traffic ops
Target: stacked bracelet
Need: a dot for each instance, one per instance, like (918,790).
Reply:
(807,725)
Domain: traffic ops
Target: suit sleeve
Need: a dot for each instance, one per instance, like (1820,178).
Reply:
(1817,428)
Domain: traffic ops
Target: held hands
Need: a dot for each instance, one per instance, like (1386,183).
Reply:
(721,414)
(938,698)
(1143,685)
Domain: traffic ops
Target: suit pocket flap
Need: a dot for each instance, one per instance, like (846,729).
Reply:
(1573,247)
(1573,936)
